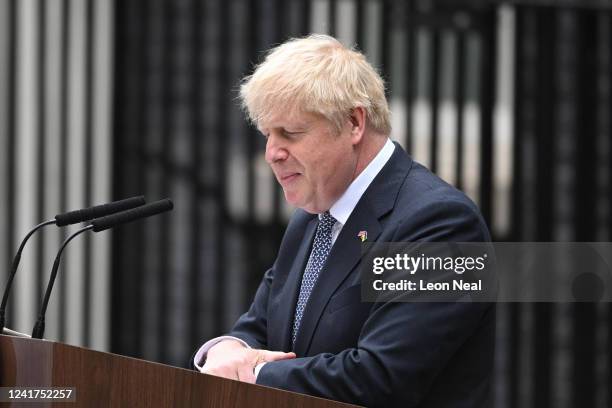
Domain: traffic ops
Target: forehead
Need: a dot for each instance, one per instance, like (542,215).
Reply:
(289,118)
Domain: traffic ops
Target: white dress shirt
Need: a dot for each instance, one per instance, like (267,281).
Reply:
(341,211)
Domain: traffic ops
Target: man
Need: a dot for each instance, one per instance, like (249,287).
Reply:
(323,111)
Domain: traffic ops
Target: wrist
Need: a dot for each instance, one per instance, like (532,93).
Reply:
(226,345)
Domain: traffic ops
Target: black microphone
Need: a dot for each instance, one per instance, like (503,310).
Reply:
(71,217)
(97,225)
(110,221)
(86,214)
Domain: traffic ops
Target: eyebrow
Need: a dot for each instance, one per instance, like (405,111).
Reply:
(290,128)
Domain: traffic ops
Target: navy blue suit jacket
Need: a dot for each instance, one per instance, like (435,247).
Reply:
(377,354)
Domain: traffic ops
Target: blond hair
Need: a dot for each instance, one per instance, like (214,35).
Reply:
(316,74)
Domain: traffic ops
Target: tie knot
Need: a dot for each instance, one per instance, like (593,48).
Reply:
(327,221)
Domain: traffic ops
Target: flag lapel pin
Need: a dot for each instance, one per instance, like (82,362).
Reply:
(363,235)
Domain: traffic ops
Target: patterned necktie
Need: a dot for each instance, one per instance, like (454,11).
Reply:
(320,250)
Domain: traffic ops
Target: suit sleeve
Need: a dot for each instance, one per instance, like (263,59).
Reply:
(402,346)
(252,326)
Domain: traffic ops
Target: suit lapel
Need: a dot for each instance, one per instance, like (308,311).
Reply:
(377,201)
(342,259)
(281,322)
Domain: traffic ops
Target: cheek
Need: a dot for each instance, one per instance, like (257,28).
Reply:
(333,175)
(342,162)
(327,163)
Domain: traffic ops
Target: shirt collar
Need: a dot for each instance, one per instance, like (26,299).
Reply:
(342,209)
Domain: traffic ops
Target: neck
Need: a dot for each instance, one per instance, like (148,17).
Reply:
(368,149)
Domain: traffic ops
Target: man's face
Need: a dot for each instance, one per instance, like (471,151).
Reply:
(313,163)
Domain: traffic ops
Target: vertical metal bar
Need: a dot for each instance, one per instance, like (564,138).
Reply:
(283,27)
(252,133)
(127,242)
(514,309)
(583,358)
(197,160)
(103,170)
(222,149)
(487,101)
(517,190)
(460,103)
(166,109)
(360,24)
(26,138)
(609,154)
(277,34)
(545,96)
(304,27)
(434,86)
(120,69)
(585,314)
(141,171)
(608,17)
(514,347)
(587,120)
(545,122)
(41,131)
(410,69)
(251,230)
(76,167)
(385,46)
(11,128)
(87,265)
(65,40)
(331,17)
(131,291)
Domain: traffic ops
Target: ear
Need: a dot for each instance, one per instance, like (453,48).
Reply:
(357,120)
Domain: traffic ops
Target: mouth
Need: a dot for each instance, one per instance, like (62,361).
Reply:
(287,177)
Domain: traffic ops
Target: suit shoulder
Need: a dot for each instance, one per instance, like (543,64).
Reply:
(422,188)
(427,205)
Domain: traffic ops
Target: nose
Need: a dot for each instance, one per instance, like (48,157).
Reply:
(275,149)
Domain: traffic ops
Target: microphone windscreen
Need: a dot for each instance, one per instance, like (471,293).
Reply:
(86,214)
(147,210)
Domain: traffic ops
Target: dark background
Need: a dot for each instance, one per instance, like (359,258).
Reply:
(179,133)
(508,100)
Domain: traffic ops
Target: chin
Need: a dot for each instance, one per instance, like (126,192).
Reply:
(312,209)
(297,200)
(293,199)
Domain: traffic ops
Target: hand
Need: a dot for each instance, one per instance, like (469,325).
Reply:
(230,359)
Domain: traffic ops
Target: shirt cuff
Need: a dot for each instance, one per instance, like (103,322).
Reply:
(200,356)
(258,368)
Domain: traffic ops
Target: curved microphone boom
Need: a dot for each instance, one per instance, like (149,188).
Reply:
(97,225)
(71,217)
(39,328)
(13,271)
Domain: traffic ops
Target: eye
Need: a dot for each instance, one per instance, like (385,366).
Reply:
(289,134)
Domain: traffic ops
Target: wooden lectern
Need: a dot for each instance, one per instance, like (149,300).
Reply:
(110,380)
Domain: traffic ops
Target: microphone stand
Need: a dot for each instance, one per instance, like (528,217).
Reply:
(13,271)
(39,328)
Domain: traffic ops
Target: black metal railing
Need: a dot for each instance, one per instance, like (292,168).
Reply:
(180,133)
